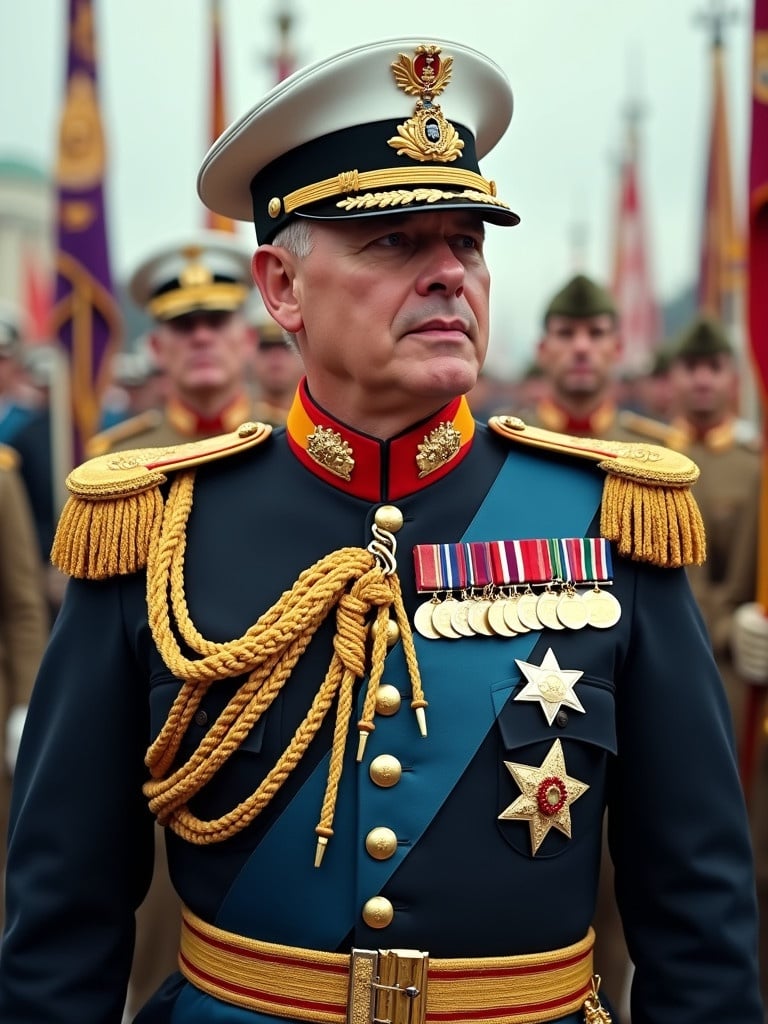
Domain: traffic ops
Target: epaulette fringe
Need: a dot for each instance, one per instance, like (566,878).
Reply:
(116,503)
(647,507)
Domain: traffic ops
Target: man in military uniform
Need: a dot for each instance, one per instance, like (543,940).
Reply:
(23,623)
(196,292)
(704,383)
(244,603)
(578,354)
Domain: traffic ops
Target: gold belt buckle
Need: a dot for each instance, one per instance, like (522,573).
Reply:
(388,986)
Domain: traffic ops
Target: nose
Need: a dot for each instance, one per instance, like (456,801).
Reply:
(442,271)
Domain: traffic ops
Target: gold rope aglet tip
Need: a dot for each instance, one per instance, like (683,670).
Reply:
(420,706)
(365,729)
(324,834)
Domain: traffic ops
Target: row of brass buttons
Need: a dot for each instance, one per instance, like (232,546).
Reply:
(385,770)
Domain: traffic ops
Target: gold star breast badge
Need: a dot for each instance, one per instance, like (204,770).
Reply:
(550,685)
(546,795)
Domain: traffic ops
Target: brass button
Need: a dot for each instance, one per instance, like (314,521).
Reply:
(388,517)
(393,631)
(388,700)
(378,912)
(385,771)
(381,843)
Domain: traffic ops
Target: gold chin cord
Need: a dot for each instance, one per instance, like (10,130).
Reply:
(360,585)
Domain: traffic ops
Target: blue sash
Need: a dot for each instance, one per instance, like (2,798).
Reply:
(529,498)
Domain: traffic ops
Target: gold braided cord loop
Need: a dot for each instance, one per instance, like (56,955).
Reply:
(662,525)
(349,580)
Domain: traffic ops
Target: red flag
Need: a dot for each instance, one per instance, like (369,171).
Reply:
(37,300)
(720,262)
(757,266)
(632,285)
(86,317)
(218,115)
(757,328)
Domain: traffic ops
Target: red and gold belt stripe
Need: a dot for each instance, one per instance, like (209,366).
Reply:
(311,985)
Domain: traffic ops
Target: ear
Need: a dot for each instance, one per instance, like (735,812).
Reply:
(274,272)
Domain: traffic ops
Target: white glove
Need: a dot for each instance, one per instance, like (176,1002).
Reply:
(749,643)
(13,729)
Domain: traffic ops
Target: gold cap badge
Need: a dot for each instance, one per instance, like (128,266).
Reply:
(427,135)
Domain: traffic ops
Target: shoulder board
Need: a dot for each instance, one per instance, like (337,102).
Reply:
(106,526)
(9,457)
(646,426)
(647,508)
(117,474)
(105,440)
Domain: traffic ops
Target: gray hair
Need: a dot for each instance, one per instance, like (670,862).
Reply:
(296,237)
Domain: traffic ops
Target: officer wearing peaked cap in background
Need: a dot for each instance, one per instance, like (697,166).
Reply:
(196,291)
(377,809)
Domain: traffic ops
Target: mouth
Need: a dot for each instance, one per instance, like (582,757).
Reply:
(443,328)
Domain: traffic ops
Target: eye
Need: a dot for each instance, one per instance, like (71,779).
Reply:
(391,241)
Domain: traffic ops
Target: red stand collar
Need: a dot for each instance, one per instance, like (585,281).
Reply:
(376,470)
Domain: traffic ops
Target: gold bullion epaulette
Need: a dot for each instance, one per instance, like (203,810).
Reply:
(647,508)
(116,505)
(9,457)
(106,440)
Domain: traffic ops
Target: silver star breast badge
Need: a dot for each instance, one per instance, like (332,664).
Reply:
(550,686)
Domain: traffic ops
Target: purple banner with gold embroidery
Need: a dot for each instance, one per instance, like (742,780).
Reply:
(85,317)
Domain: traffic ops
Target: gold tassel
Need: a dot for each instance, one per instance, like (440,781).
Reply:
(101,537)
(652,523)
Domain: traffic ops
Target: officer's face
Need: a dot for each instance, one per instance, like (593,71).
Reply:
(392,315)
(204,354)
(578,354)
(704,386)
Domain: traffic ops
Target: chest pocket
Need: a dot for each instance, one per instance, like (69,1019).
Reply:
(164,689)
(587,740)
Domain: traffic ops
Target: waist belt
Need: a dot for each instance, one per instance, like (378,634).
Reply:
(398,986)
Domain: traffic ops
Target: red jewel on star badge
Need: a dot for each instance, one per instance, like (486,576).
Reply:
(546,795)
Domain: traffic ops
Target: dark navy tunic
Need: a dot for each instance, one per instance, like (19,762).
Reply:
(654,745)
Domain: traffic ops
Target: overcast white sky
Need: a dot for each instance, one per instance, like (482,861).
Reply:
(573,65)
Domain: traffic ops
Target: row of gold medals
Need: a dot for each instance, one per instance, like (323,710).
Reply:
(505,609)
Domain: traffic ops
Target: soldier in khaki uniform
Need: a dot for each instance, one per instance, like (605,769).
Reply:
(578,355)
(704,381)
(23,623)
(703,376)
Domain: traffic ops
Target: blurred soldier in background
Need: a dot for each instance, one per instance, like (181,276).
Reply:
(196,292)
(17,401)
(578,354)
(704,386)
(23,624)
